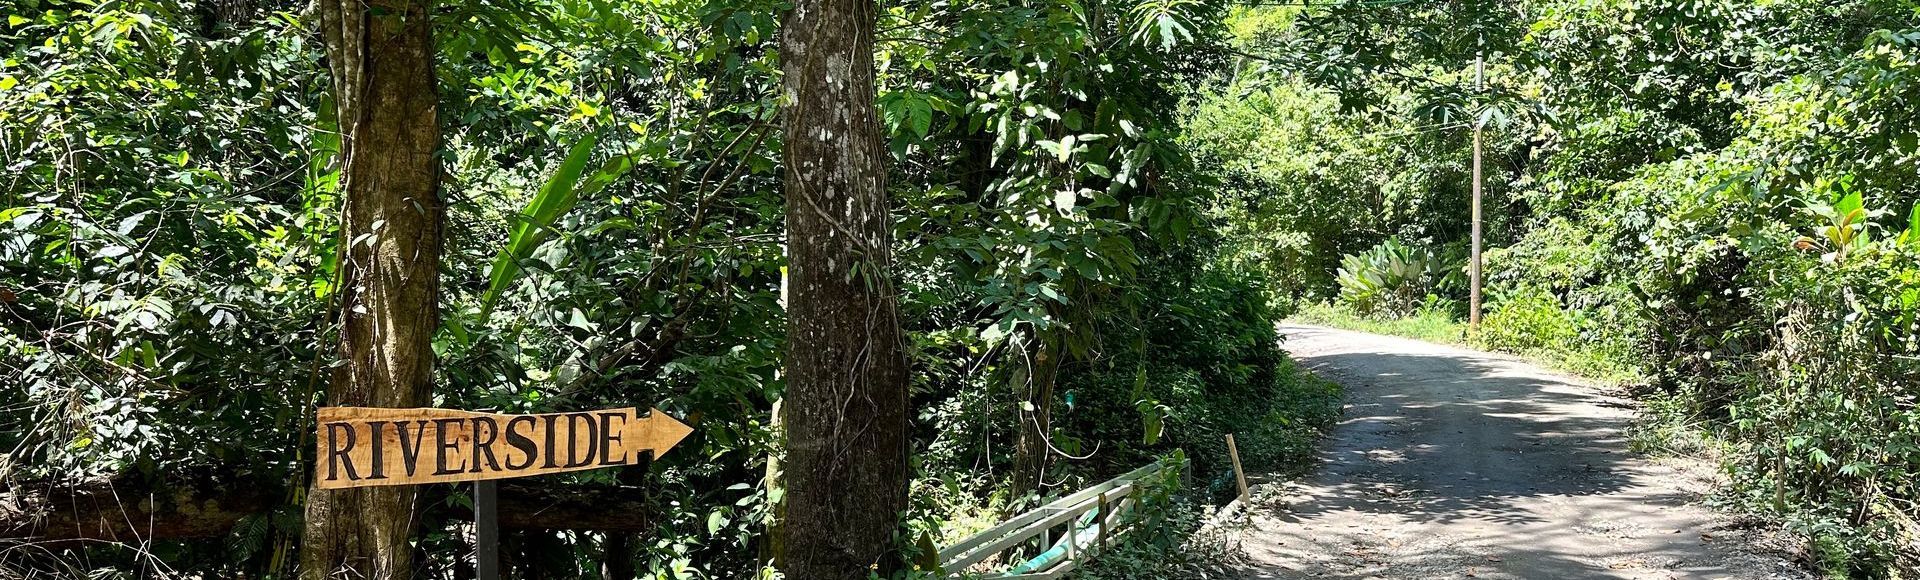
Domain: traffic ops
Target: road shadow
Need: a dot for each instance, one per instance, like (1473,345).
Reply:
(1471,437)
(1451,462)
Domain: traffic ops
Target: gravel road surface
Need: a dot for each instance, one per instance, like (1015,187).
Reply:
(1451,463)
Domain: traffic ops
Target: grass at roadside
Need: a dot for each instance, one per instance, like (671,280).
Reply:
(1441,327)
(1427,325)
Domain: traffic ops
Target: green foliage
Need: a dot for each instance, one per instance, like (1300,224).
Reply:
(1526,321)
(1391,279)
(1255,139)
(1210,366)
(161,235)
(1534,323)
(1305,179)
(165,249)
(535,224)
(613,238)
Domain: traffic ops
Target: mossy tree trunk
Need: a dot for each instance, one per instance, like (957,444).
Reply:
(845,410)
(380,54)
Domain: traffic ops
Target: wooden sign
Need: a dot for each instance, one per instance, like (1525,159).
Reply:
(364,446)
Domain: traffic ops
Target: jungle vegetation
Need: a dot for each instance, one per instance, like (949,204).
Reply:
(910,266)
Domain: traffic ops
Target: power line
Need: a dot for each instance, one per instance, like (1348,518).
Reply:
(1420,130)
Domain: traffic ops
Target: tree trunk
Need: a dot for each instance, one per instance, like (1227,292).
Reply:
(845,410)
(380,53)
(1034,379)
(616,557)
(546,558)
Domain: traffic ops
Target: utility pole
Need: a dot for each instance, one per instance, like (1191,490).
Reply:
(1473,270)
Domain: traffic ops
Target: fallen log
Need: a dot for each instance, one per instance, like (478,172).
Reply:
(603,508)
(126,510)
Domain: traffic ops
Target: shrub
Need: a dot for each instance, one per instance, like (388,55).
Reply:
(1391,279)
(1831,432)
(1528,321)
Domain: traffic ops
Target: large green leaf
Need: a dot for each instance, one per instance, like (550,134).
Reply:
(1912,235)
(535,223)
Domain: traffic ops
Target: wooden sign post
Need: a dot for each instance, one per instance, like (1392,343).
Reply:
(366,446)
(361,446)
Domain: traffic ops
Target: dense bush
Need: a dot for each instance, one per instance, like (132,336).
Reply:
(1526,321)
(168,231)
(1830,429)
(1770,301)
(1185,373)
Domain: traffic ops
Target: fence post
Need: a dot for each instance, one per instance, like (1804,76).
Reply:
(1239,474)
(1073,542)
(1100,540)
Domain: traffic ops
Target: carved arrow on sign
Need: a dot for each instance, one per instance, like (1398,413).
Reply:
(366,446)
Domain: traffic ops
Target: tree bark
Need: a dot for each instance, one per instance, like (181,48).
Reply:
(1034,380)
(616,557)
(380,54)
(845,410)
(545,558)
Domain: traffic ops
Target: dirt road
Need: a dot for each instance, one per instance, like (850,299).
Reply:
(1451,463)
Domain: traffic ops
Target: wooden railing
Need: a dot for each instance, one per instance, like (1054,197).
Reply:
(1091,518)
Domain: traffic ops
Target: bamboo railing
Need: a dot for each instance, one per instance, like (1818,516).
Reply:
(1091,518)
